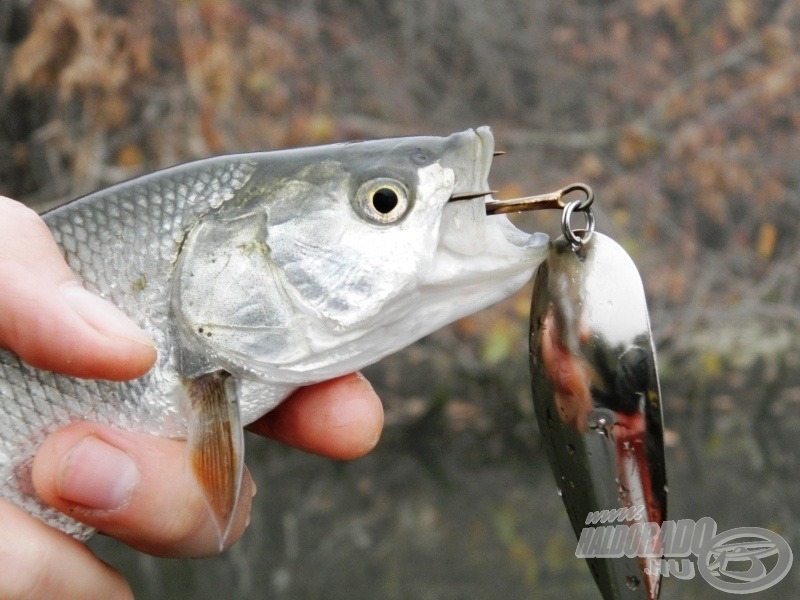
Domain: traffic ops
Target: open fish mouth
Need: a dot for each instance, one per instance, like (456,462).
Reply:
(474,245)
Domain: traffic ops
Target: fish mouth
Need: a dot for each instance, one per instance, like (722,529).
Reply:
(473,246)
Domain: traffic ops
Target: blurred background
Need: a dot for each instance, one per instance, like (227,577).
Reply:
(683,115)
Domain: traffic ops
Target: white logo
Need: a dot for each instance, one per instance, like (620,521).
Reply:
(744,560)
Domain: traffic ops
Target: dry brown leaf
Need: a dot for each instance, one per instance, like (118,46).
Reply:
(714,204)
(40,57)
(767,240)
(591,167)
(741,14)
(635,145)
(129,155)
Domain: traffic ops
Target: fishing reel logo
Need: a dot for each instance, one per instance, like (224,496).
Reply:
(743,560)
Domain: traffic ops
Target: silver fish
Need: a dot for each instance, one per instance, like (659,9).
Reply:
(259,273)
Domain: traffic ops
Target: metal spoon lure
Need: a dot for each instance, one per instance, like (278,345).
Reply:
(598,404)
(596,396)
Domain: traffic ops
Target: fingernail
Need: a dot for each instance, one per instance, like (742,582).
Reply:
(97,475)
(103,316)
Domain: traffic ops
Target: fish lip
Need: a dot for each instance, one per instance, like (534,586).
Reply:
(484,158)
(482,144)
(467,232)
(515,236)
(472,170)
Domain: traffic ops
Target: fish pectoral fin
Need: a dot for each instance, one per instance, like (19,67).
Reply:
(216,445)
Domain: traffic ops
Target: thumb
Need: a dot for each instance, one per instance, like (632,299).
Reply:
(48,319)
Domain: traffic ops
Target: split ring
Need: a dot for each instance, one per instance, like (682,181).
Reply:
(577,237)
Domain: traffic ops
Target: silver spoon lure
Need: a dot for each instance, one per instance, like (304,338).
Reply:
(597,398)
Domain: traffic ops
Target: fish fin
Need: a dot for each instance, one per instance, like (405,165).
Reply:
(216,445)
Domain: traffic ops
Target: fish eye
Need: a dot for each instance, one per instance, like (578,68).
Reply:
(383,200)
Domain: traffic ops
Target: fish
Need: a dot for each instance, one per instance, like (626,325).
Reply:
(256,274)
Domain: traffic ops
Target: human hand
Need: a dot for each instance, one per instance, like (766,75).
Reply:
(131,486)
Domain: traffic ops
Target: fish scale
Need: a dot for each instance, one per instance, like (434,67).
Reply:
(148,221)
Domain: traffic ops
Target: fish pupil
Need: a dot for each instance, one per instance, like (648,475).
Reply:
(385,200)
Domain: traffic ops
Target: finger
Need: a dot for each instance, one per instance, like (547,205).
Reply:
(37,563)
(341,418)
(134,487)
(52,322)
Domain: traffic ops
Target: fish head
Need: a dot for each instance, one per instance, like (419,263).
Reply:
(330,258)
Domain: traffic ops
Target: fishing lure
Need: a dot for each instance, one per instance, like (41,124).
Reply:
(598,404)
(596,395)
